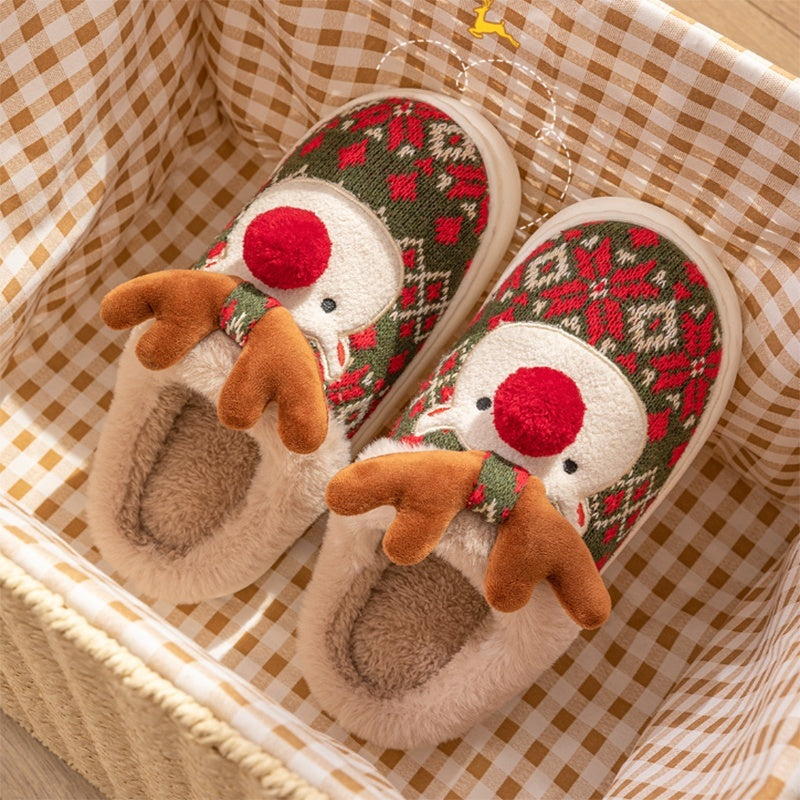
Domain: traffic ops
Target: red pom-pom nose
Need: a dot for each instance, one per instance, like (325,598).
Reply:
(538,411)
(287,248)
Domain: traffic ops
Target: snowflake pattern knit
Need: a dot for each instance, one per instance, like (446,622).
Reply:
(632,295)
(425,162)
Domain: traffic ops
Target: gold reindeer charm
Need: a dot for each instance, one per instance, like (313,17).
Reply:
(482,26)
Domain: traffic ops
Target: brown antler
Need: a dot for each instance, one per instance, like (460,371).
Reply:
(429,487)
(276,362)
(185,304)
(537,543)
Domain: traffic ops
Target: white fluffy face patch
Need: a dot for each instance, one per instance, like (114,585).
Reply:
(351,268)
(547,401)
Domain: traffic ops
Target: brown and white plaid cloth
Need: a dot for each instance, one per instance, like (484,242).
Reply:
(129,134)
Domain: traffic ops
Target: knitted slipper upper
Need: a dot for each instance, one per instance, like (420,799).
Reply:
(605,310)
(412,169)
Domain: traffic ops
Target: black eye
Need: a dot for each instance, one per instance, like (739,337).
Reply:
(483,403)
(328,305)
(570,466)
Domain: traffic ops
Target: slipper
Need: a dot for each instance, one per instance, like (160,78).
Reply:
(465,550)
(374,236)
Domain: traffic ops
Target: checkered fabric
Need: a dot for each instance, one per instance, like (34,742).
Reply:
(132,131)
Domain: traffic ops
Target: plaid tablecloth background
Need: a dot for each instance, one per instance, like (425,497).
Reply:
(129,134)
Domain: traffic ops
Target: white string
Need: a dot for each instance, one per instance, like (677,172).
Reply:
(448,47)
(548,131)
(523,68)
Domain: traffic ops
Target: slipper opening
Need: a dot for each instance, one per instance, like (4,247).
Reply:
(396,627)
(188,474)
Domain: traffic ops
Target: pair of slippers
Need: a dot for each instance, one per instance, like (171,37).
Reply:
(463,551)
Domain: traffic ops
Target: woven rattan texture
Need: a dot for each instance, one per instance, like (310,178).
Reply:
(99,708)
(132,132)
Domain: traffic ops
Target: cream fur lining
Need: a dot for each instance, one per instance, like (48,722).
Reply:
(490,656)
(282,498)
(384,636)
(188,473)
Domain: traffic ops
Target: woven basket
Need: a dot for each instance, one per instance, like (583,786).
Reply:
(131,132)
(106,714)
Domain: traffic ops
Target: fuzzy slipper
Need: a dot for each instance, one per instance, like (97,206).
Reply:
(374,236)
(464,554)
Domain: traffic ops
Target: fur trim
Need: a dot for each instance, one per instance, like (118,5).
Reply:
(284,498)
(502,657)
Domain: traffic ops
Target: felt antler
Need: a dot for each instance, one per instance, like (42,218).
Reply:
(185,304)
(428,488)
(276,362)
(536,542)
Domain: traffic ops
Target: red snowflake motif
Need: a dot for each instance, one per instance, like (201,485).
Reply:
(520,479)
(353,155)
(426,165)
(371,116)
(403,129)
(483,217)
(694,275)
(513,281)
(216,249)
(611,534)
(632,518)
(542,248)
(416,409)
(425,111)
(396,363)
(503,316)
(448,364)
(312,144)
(677,453)
(364,340)
(448,230)
(403,186)
(470,181)
(612,502)
(408,296)
(410,258)
(521,299)
(643,237)
(477,496)
(429,322)
(599,289)
(348,387)
(627,360)
(657,425)
(693,369)
(406,121)
(434,291)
